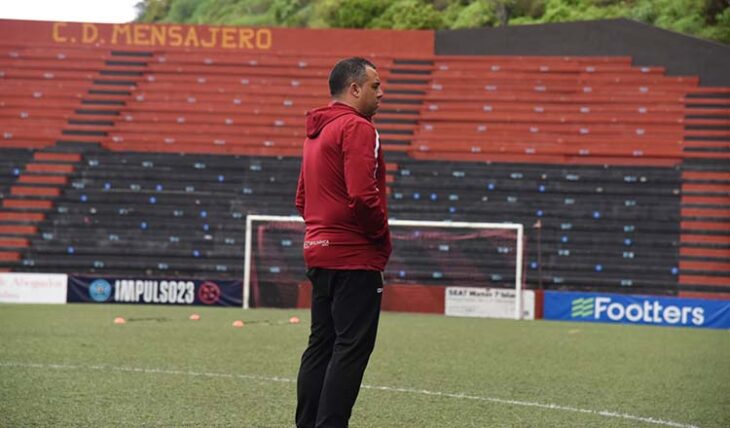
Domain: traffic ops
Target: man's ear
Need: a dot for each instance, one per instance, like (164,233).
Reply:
(355,89)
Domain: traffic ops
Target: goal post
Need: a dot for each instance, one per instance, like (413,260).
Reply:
(456,247)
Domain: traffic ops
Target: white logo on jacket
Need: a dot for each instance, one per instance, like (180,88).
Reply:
(319,243)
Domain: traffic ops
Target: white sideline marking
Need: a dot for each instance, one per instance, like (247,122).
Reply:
(460,396)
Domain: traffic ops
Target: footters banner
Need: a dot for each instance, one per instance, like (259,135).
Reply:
(83,289)
(629,309)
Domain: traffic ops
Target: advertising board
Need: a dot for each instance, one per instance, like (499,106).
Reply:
(197,292)
(634,309)
(487,302)
(32,288)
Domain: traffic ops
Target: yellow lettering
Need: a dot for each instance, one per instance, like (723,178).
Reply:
(228,39)
(213,38)
(192,37)
(158,35)
(57,32)
(175,36)
(90,33)
(263,38)
(244,38)
(122,30)
(142,34)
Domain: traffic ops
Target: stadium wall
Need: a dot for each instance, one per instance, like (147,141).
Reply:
(647,45)
(233,39)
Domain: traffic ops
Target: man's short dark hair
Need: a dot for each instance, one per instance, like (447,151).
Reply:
(347,71)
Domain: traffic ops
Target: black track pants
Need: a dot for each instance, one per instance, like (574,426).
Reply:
(345,313)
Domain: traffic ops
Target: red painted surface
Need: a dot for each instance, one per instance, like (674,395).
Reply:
(43,179)
(18,230)
(705,252)
(700,295)
(34,191)
(704,280)
(414,298)
(9,256)
(21,216)
(539,304)
(397,298)
(709,266)
(50,167)
(13,242)
(219,39)
(50,156)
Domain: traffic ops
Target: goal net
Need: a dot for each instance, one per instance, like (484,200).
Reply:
(443,253)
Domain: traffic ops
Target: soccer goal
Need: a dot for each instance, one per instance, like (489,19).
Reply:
(460,254)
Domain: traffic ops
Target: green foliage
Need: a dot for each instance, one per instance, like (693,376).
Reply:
(578,10)
(409,14)
(152,10)
(703,18)
(478,14)
(680,15)
(181,11)
(721,31)
(529,8)
(355,13)
(236,12)
(290,13)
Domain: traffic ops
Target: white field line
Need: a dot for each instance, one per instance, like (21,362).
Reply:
(276,379)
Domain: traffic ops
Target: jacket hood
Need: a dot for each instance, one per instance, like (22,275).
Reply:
(318,118)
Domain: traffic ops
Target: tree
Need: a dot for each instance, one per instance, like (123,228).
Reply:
(408,14)
(477,14)
(181,11)
(704,18)
(152,10)
(356,13)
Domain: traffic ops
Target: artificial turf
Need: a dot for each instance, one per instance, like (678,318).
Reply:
(71,366)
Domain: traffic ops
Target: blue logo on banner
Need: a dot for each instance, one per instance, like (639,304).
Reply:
(628,309)
(100,290)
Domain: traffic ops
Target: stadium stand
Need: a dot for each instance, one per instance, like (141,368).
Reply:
(12,162)
(704,258)
(565,110)
(146,162)
(171,214)
(612,226)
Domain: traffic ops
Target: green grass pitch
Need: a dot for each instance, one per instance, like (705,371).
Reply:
(71,366)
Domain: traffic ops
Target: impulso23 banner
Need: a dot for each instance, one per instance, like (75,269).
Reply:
(194,292)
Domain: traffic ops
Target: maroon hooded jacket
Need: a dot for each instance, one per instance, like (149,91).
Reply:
(341,192)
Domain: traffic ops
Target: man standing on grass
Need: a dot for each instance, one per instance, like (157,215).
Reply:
(341,195)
